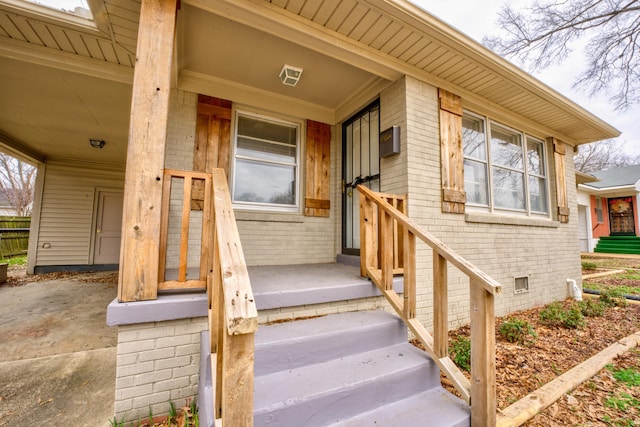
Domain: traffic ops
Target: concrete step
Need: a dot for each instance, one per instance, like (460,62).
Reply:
(351,368)
(319,394)
(433,408)
(290,345)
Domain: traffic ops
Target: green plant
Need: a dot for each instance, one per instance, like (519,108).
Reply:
(556,315)
(631,377)
(195,422)
(518,331)
(591,308)
(20,260)
(552,314)
(461,353)
(115,423)
(172,413)
(586,265)
(622,402)
(573,318)
(613,297)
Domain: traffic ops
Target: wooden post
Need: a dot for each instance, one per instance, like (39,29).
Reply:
(139,252)
(237,380)
(440,305)
(483,357)
(368,251)
(409,266)
(386,249)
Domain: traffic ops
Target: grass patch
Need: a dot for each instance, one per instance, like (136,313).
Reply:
(16,261)
(630,377)
(613,297)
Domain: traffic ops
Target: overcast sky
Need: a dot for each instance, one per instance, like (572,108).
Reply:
(478,18)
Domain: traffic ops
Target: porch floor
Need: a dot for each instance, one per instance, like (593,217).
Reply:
(278,286)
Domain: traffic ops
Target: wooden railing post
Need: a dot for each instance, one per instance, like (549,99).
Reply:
(440,305)
(409,265)
(483,357)
(386,245)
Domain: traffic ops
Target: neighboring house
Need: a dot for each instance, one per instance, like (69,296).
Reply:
(5,206)
(483,153)
(608,209)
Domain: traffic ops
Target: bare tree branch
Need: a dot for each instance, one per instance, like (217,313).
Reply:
(603,155)
(545,32)
(17,180)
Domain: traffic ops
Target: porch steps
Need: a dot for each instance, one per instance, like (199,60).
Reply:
(618,245)
(349,369)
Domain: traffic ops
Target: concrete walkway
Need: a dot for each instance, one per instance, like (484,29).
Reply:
(57,356)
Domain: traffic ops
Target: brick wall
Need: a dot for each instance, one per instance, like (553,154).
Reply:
(157,363)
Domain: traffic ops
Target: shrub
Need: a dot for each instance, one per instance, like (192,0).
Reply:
(518,331)
(613,298)
(555,315)
(591,308)
(461,353)
(589,265)
(573,318)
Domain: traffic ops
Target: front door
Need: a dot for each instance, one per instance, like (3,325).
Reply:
(621,216)
(360,165)
(108,228)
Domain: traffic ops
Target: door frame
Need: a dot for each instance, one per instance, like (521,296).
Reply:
(633,217)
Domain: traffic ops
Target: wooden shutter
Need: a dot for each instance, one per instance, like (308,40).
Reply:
(318,148)
(451,155)
(213,140)
(561,182)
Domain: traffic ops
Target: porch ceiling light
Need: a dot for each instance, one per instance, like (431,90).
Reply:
(290,75)
(97,143)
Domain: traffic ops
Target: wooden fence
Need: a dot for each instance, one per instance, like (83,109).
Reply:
(14,231)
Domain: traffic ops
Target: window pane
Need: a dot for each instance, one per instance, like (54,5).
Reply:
(475,182)
(473,138)
(264,183)
(535,157)
(508,189)
(256,128)
(506,148)
(374,126)
(265,150)
(538,194)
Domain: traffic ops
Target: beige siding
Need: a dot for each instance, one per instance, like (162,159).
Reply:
(268,238)
(67,215)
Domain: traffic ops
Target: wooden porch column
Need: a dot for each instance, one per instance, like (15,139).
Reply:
(138,279)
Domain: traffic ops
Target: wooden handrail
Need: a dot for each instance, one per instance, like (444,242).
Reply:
(378,220)
(233,316)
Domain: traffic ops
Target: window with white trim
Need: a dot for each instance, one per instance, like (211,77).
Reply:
(503,169)
(266,163)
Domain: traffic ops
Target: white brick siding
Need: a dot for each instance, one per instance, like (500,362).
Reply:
(157,363)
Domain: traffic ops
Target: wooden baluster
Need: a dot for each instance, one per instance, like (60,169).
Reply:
(483,357)
(184,230)
(164,226)
(386,246)
(206,242)
(409,265)
(440,305)
(368,250)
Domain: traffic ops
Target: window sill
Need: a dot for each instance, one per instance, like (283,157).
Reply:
(487,218)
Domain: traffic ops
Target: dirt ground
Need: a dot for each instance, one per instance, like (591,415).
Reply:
(601,401)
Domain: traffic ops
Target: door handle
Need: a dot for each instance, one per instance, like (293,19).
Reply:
(99,230)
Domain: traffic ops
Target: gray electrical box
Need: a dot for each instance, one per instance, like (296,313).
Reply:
(390,141)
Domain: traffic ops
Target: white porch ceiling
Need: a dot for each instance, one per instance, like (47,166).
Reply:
(62,83)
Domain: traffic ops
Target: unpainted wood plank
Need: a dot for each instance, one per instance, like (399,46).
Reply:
(483,357)
(409,269)
(24,26)
(488,283)
(175,285)
(77,42)
(367,250)
(184,230)
(9,27)
(386,249)
(240,307)
(164,225)
(237,382)
(206,241)
(561,183)
(138,276)
(440,306)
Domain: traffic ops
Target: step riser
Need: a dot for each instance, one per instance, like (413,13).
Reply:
(318,346)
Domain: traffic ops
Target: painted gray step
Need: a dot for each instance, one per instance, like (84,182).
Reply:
(290,345)
(317,395)
(433,408)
